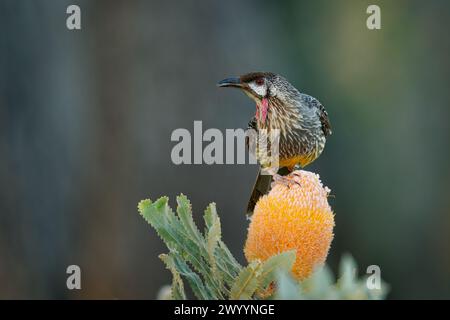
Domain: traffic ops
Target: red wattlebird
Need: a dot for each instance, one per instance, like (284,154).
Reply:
(302,122)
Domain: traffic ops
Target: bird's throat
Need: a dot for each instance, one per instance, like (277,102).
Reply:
(262,108)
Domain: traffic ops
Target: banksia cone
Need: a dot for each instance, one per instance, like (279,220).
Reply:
(297,217)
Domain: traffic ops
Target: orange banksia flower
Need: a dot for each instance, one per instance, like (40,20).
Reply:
(294,216)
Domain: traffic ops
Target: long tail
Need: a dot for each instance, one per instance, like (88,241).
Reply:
(262,186)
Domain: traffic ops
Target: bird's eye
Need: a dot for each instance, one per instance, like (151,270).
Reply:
(259,81)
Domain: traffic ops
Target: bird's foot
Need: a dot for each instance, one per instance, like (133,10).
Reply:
(284,180)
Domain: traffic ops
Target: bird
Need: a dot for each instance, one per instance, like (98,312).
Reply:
(302,121)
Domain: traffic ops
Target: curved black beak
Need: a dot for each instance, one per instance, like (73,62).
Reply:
(230,82)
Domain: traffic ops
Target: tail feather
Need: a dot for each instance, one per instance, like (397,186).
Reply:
(262,186)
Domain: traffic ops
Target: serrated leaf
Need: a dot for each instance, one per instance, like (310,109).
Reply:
(143,204)
(224,253)
(197,286)
(246,283)
(157,215)
(210,215)
(227,264)
(228,267)
(284,261)
(177,289)
(213,235)
(185,213)
(178,236)
(213,229)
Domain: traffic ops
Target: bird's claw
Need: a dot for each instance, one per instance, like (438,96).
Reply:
(284,180)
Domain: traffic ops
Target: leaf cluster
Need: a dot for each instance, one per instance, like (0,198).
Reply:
(204,262)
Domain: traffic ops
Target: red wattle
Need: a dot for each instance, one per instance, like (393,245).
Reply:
(264,108)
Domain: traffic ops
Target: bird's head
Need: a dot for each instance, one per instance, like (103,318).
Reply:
(265,88)
(257,85)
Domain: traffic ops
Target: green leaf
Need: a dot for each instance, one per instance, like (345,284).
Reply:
(227,264)
(158,214)
(144,204)
(213,230)
(177,290)
(210,215)
(197,286)
(213,235)
(348,273)
(287,287)
(181,236)
(320,284)
(185,213)
(246,283)
(284,260)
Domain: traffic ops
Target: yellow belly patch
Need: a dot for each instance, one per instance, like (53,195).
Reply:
(301,160)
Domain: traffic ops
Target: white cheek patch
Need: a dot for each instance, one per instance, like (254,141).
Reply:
(259,90)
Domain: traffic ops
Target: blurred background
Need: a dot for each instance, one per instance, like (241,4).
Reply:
(86,118)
